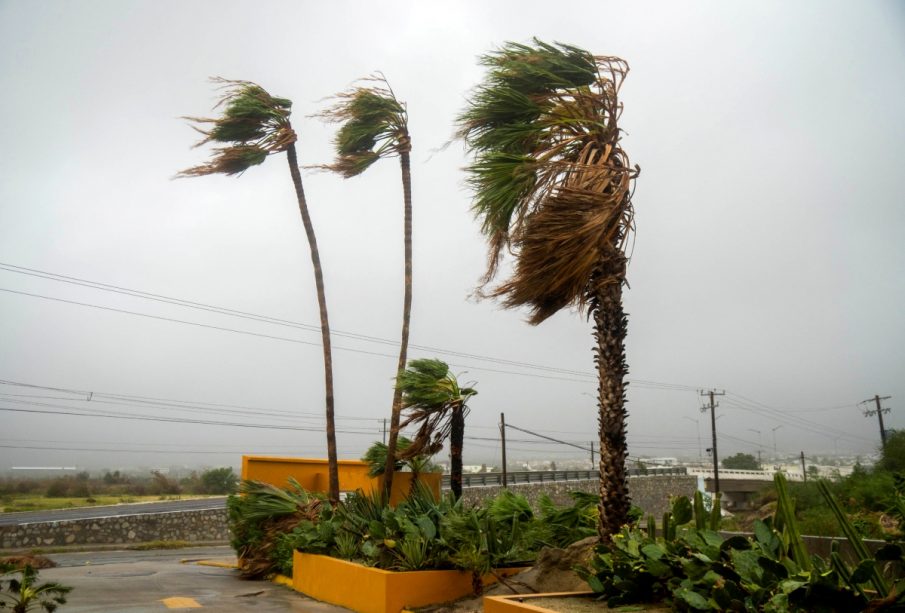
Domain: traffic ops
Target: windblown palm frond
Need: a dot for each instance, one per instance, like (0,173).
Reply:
(376,456)
(551,180)
(374,125)
(253,125)
(430,396)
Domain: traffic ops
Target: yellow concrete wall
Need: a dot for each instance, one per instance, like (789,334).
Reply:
(375,590)
(311,473)
(525,603)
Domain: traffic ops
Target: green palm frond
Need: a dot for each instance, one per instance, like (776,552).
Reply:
(376,456)
(551,182)
(252,125)
(374,124)
(430,394)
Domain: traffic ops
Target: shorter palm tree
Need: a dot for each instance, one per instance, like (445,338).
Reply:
(433,400)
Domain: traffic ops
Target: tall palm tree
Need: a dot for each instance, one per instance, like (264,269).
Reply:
(553,186)
(254,125)
(433,400)
(374,124)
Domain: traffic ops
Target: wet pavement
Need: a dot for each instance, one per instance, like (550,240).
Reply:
(169,580)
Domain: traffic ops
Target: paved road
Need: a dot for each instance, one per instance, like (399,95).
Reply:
(164,506)
(145,581)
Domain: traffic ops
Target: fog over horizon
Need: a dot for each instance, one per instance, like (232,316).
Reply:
(768,261)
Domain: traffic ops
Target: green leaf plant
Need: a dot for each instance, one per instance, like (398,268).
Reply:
(691,566)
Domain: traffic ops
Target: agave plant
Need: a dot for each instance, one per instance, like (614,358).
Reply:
(553,185)
(253,126)
(375,125)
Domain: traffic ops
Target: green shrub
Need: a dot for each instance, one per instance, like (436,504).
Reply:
(268,524)
(695,568)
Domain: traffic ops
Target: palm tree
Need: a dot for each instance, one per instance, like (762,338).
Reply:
(433,400)
(553,186)
(24,594)
(375,125)
(254,125)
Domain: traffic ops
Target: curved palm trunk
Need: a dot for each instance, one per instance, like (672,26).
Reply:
(610,324)
(332,467)
(456,440)
(406,316)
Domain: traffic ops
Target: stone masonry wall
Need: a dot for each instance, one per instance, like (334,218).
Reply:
(192,526)
(651,493)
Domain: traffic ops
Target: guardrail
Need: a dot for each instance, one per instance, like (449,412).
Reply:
(545,476)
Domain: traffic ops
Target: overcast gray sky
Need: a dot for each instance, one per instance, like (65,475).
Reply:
(768,260)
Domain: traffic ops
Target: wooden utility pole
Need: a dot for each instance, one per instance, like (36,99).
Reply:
(592,455)
(804,472)
(384,430)
(503,441)
(879,411)
(716,462)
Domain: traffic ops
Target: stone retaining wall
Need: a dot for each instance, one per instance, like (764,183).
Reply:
(651,493)
(192,526)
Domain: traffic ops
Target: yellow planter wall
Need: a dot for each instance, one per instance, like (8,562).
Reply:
(312,475)
(524,603)
(372,590)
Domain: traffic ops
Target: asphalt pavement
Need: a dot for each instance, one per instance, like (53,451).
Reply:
(140,508)
(165,580)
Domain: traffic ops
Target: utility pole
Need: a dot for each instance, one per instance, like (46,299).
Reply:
(592,455)
(879,411)
(804,472)
(716,462)
(774,440)
(697,424)
(759,463)
(503,441)
(384,430)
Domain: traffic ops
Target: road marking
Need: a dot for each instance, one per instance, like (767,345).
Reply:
(180,602)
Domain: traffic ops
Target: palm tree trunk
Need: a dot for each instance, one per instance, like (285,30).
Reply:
(610,324)
(456,440)
(406,316)
(332,466)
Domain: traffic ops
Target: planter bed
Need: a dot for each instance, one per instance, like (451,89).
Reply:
(558,602)
(372,590)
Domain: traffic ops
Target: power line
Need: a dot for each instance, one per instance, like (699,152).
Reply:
(764,410)
(549,438)
(648,384)
(167,419)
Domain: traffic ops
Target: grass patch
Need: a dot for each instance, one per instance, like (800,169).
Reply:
(15,503)
(160,545)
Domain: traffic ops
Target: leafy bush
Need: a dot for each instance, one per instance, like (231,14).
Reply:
(219,481)
(268,524)
(258,519)
(68,487)
(695,568)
